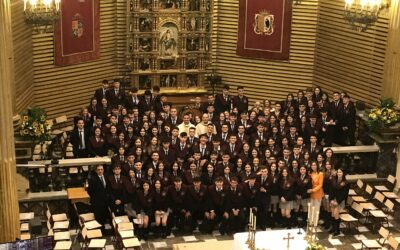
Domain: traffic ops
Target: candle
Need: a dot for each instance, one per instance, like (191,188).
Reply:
(25,4)
(309,211)
(251,217)
(316,218)
(310,219)
(255,222)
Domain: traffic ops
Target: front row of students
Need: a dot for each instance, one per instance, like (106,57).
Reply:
(279,200)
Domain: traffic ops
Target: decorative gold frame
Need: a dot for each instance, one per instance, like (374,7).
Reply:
(145,54)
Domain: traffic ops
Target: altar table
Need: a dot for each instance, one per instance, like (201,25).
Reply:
(207,245)
(272,240)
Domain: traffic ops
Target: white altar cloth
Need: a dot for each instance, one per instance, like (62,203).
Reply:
(272,240)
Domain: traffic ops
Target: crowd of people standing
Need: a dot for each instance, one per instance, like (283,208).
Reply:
(206,169)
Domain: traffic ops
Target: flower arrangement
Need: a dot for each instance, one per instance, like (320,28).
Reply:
(315,246)
(34,125)
(383,116)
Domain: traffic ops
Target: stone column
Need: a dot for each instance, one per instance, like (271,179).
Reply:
(391,77)
(9,211)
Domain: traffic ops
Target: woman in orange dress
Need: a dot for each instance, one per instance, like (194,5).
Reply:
(316,191)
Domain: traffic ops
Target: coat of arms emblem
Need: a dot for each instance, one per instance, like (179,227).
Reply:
(263,23)
(77,26)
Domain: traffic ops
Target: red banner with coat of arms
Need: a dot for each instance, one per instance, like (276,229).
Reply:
(77,32)
(264,29)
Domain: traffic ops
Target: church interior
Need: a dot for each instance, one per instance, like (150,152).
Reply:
(193,124)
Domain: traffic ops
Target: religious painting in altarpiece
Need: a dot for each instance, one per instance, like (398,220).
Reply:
(169,42)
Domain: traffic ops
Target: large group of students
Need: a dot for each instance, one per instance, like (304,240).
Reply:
(207,168)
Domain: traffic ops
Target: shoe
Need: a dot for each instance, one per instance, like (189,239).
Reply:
(337,231)
(289,223)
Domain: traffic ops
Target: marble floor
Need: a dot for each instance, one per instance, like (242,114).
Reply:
(347,240)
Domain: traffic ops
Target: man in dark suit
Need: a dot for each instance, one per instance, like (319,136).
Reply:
(167,154)
(328,126)
(101,93)
(213,116)
(173,117)
(264,197)
(233,124)
(133,100)
(79,139)
(313,127)
(219,168)
(117,191)
(333,111)
(159,103)
(334,106)
(217,205)
(203,147)
(183,149)
(147,103)
(116,96)
(195,203)
(241,135)
(259,134)
(250,191)
(313,148)
(224,135)
(236,207)
(223,101)
(99,195)
(347,122)
(192,139)
(232,148)
(241,102)
(177,195)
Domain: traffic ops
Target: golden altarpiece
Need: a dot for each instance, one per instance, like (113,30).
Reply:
(169,42)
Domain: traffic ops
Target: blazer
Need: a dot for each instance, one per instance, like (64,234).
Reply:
(75,140)
(99,195)
(317,184)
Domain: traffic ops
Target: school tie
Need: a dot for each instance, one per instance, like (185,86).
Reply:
(103,181)
(80,139)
